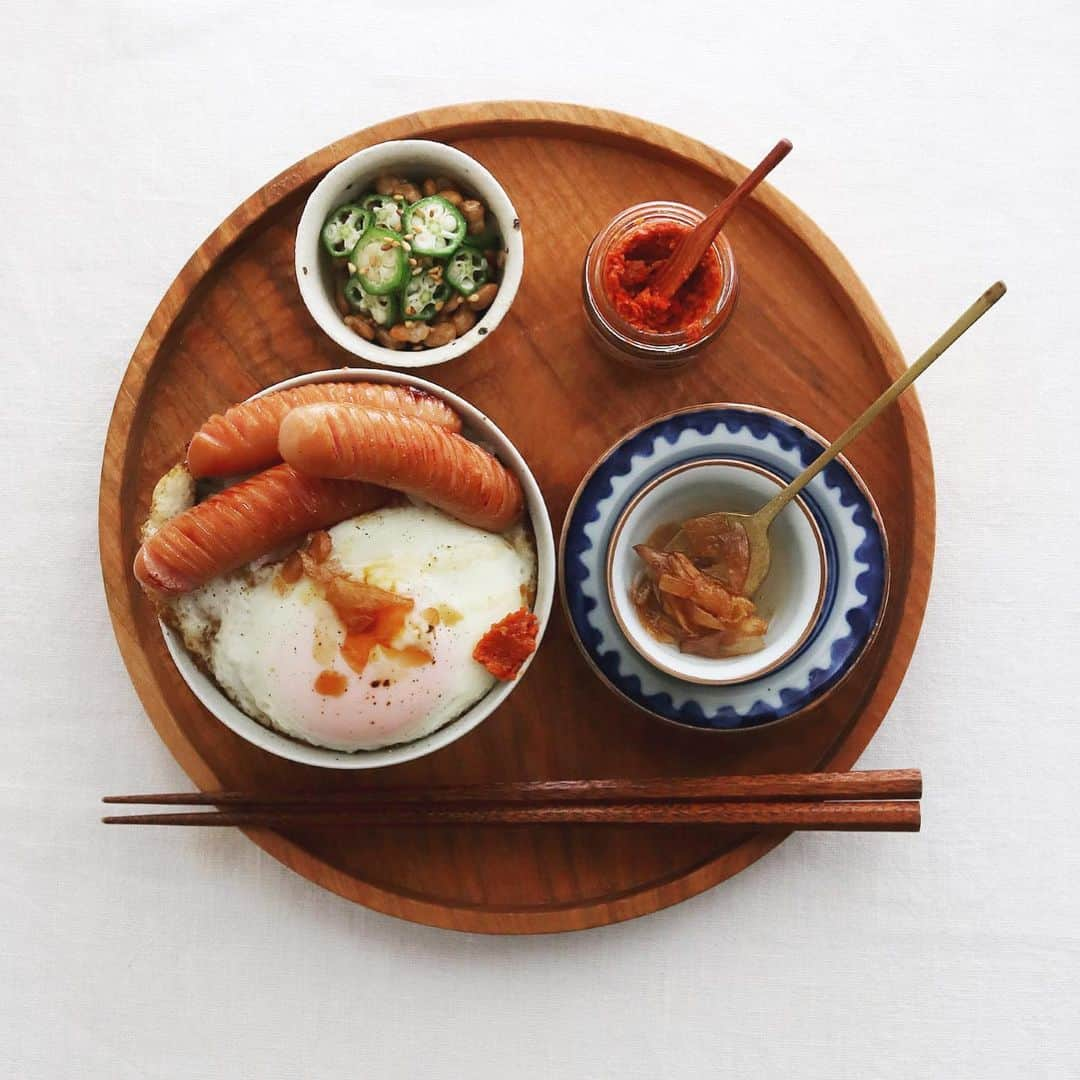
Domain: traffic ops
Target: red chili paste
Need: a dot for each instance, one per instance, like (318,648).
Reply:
(630,265)
(508,644)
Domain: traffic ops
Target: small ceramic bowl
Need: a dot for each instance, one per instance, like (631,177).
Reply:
(410,158)
(825,594)
(790,598)
(479,427)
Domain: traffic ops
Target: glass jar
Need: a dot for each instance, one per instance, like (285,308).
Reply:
(645,348)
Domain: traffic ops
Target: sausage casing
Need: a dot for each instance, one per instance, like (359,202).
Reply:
(405,453)
(243,522)
(245,437)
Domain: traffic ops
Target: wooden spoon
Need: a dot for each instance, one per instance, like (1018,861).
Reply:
(679,265)
(756,525)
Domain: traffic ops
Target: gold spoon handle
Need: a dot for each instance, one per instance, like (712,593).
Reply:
(964,323)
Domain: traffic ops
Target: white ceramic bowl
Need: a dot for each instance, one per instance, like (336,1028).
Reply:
(480,427)
(410,158)
(789,599)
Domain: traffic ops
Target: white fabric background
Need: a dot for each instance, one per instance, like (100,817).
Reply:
(936,143)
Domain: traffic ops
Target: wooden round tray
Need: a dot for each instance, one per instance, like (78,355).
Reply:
(806,338)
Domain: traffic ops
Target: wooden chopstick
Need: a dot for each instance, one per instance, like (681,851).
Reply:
(877,800)
(868,784)
(873,816)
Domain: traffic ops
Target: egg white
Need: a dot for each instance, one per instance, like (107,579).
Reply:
(266,647)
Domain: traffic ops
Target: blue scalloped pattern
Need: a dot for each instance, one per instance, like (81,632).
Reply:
(870,553)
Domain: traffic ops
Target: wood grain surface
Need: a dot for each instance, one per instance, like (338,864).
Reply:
(806,338)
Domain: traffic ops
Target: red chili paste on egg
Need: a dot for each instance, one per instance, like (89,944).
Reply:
(371,616)
(630,265)
(508,644)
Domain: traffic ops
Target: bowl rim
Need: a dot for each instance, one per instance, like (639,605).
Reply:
(304,753)
(620,523)
(717,732)
(306,240)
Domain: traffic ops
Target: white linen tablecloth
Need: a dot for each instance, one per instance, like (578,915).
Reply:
(936,144)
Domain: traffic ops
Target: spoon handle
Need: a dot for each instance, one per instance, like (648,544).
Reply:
(964,323)
(692,249)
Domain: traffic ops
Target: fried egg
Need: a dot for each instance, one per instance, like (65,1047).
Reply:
(274,646)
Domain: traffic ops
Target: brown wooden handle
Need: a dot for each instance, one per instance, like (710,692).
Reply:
(878,816)
(693,247)
(865,784)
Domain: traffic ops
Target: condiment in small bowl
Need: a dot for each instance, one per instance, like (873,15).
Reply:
(411,158)
(669,466)
(714,291)
(790,598)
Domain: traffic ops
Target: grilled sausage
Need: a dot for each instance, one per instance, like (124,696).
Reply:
(243,522)
(405,453)
(244,438)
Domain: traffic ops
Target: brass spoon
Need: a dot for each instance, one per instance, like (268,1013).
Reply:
(756,525)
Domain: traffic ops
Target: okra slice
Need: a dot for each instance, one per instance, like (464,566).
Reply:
(379,261)
(355,295)
(386,212)
(434,227)
(424,295)
(467,270)
(343,228)
(385,309)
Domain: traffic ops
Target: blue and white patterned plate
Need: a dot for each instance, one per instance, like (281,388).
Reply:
(855,550)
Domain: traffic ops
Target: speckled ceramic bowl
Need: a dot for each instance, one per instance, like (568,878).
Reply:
(405,157)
